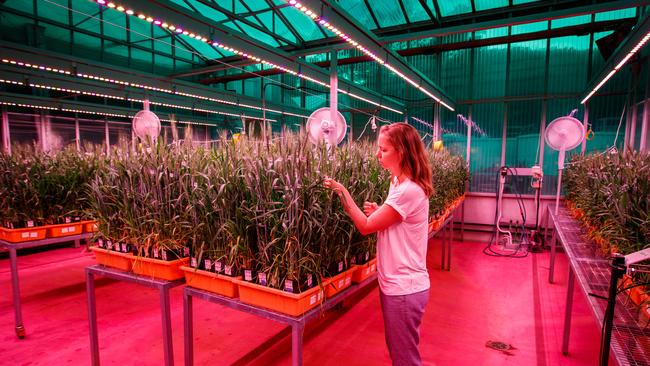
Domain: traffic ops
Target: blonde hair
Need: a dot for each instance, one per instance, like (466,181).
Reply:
(415,161)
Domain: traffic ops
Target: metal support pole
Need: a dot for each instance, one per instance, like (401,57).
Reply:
(567,312)
(618,270)
(188,318)
(644,126)
(552,261)
(166,326)
(77,134)
(6,138)
(296,343)
(586,124)
(334,86)
(92,318)
(108,141)
(451,241)
(15,286)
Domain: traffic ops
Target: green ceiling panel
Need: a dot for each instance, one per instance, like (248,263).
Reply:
(140,32)
(253,19)
(22,5)
(518,2)
(278,27)
(202,9)
(115,25)
(360,13)
(480,5)
(616,14)
(54,9)
(567,22)
(415,11)
(306,27)
(491,33)
(256,34)
(256,5)
(530,27)
(388,13)
(448,8)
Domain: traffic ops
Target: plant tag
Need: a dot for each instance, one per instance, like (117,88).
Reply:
(310,280)
(164,254)
(186,252)
(207,264)
(312,299)
(261,278)
(288,285)
(218,267)
(109,244)
(341,266)
(68,219)
(367,256)
(24,235)
(100,242)
(124,248)
(30,223)
(155,253)
(33,234)
(193,262)
(228,270)
(248,275)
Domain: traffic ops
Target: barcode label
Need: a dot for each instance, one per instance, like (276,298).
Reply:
(340,266)
(30,223)
(248,275)
(288,285)
(207,264)
(261,277)
(218,267)
(24,235)
(33,234)
(193,262)
(228,270)
(347,281)
(312,299)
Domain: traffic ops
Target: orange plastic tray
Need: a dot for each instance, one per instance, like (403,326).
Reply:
(277,300)
(156,268)
(89,226)
(338,283)
(22,235)
(57,231)
(110,258)
(213,282)
(364,271)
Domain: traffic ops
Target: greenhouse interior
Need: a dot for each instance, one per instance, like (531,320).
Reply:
(305,182)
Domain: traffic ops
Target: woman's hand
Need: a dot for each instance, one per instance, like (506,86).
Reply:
(333,185)
(369,208)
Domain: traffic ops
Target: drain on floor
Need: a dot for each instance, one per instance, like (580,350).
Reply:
(500,346)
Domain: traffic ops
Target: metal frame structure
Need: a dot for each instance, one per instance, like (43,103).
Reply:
(163,287)
(13,264)
(593,274)
(297,324)
(447,230)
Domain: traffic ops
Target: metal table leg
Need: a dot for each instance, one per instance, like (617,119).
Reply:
(92,318)
(166,326)
(296,343)
(551,266)
(451,240)
(567,312)
(443,241)
(188,319)
(15,286)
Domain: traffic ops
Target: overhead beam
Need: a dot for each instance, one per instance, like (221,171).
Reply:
(629,48)
(329,11)
(171,13)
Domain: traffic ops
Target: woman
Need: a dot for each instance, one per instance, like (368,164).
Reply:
(401,227)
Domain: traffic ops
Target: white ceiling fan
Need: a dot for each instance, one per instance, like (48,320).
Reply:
(321,127)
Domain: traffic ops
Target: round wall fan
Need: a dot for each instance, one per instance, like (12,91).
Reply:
(321,127)
(563,134)
(146,124)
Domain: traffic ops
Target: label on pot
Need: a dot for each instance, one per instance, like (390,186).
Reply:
(30,223)
(248,275)
(109,244)
(341,283)
(310,280)
(100,242)
(367,256)
(124,248)
(218,267)
(24,235)
(261,278)
(186,252)
(288,285)
(348,280)
(155,253)
(33,234)
(64,230)
(341,266)
(193,262)
(312,299)
(68,219)
(228,270)
(164,254)
(207,264)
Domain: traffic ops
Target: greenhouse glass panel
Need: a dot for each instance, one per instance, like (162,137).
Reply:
(253,87)
(53,9)
(567,22)
(485,158)
(415,11)
(119,133)
(527,65)
(115,25)
(22,5)
(523,141)
(489,4)
(307,29)
(360,13)
(529,28)
(455,68)
(22,128)
(84,43)
(491,33)
(163,64)
(518,2)
(92,132)
(567,65)
(256,34)
(616,14)
(58,39)
(639,126)
(115,52)
(449,8)
(388,13)
(200,8)
(489,77)
(202,48)
(255,5)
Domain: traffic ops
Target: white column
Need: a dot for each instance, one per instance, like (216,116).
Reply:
(504,135)
(77,134)
(6,139)
(334,86)
(469,136)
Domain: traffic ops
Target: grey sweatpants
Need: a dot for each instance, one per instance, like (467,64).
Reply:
(402,318)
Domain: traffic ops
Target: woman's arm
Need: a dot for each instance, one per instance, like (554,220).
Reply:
(381,219)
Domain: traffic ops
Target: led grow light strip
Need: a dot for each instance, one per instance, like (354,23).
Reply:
(125,83)
(181,30)
(609,75)
(27,105)
(316,18)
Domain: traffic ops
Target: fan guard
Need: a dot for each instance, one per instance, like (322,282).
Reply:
(146,124)
(320,127)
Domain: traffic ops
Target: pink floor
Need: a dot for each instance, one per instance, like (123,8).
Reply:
(481,299)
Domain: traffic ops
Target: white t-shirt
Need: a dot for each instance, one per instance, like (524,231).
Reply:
(402,247)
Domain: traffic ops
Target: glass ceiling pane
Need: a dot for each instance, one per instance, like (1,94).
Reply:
(448,8)
(359,12)
(616,14)
(491,33)
(530,27)
(280,28)
(256,34)
(305,26)
(415,11)
(201,48)
(517,2)
(567,22)
(202,9)
(256,5)
(388,13)
(489,4)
